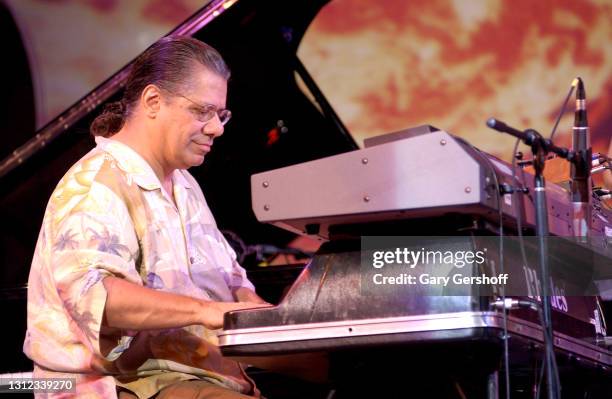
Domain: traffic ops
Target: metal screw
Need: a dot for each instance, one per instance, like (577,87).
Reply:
(442,142)
(266,184)
(468,190)
(366,198)
(364,161)
(266,207)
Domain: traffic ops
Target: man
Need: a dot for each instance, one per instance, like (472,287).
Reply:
(131,276)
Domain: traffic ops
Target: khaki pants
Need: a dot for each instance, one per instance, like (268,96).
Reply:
(192,389)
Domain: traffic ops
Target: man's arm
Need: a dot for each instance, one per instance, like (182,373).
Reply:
(132,307)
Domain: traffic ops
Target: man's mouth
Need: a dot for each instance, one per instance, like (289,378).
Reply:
(204,146)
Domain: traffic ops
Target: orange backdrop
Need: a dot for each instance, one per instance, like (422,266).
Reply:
(386,65)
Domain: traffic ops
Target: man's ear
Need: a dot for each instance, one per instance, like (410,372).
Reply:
(151,100)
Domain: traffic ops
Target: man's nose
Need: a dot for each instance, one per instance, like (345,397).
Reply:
(213,127)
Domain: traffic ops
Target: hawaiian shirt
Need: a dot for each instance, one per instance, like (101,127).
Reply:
(109,216)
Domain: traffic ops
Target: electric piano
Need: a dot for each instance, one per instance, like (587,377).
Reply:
(420,182)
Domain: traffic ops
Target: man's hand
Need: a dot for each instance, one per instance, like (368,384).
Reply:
(133,307)
(244,294)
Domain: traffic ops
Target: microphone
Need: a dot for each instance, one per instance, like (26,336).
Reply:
(580,172)
(529,137)
(580,136)
(500,126)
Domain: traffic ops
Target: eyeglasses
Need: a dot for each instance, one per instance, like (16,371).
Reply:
(205,113)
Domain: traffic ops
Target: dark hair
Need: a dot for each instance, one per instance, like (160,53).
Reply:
(168,64)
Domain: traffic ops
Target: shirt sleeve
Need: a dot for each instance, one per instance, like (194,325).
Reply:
(91,241)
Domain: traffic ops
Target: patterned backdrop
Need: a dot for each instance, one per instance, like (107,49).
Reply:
(386,65)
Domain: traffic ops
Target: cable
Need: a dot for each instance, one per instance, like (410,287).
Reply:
(503,292)
(519,226)
(553,361)
(545,317)
(501,270)
(572,87)
(518,213)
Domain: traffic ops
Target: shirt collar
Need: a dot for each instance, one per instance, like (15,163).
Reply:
(178,178)
(136,166)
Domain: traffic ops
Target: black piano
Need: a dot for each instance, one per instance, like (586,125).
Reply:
(259,41)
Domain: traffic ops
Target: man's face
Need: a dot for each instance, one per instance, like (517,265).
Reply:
(185,139)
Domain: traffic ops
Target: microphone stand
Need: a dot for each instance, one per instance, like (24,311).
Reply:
(540,147)
(541,212)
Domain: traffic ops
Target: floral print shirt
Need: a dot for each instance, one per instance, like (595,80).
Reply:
(109,216)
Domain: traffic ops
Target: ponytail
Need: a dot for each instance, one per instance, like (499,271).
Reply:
(110,121)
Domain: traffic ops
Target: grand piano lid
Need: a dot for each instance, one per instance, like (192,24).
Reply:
(274,125)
